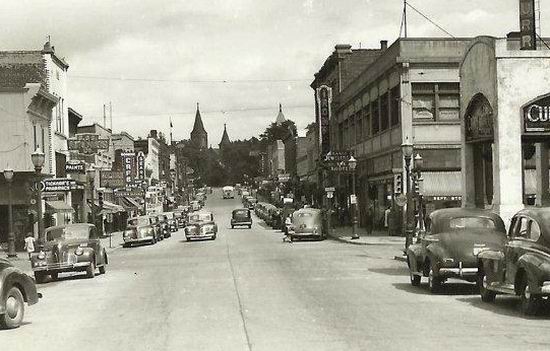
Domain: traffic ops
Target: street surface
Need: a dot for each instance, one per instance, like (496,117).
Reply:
(247,290)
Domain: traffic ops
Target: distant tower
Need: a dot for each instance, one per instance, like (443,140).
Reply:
(225,139)
(199,136)
(280,117)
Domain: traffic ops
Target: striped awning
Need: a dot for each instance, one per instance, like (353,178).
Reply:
(57,206)
(442,184)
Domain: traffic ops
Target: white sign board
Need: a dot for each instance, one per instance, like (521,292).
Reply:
(353,199)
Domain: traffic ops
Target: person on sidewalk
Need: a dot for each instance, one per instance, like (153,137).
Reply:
(387,216)
(29,244)
(369,220)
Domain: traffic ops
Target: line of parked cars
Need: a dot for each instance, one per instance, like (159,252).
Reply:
(473,245)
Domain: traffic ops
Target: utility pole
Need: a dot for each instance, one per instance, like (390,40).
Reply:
(405,18)
(104,116)
(111,115)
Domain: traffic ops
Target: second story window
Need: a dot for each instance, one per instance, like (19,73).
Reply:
(436,101)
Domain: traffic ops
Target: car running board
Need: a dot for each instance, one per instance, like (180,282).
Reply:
(502,288)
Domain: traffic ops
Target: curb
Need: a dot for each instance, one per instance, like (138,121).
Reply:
(400,258)
(355,242)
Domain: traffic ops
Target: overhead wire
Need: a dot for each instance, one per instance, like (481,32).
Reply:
(202,81)
(428,19)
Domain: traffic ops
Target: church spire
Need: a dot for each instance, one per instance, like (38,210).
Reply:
(199,136)
(280,117)
(225,138)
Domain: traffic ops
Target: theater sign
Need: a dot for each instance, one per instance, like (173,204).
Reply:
(536,116)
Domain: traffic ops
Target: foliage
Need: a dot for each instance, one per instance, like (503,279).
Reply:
(278,132)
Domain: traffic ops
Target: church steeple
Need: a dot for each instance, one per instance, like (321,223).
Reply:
(225,138)
(280,117)
(199,136)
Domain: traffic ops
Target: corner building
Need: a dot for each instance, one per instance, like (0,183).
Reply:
(410,92)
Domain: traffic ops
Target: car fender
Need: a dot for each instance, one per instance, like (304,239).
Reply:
(11,276)
(436,252)
(414,255)
(535,266)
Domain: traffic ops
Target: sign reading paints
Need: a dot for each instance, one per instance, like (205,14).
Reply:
(536,116)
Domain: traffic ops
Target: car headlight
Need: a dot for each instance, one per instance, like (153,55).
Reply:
(78,251)
(41,255)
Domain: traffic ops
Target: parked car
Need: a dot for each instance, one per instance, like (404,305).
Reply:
(139,230)
(69,248)
(16,288)
(522,266)
(241,217)
(201,225)
(306,223)
(195,205)
(449,248)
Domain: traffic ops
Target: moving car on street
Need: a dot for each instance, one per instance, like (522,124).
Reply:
(449,249)
(228,192)
(180,216)
(173,224)
(155,222)
(522,266)
(139,230)
(306,223)
(195,205)
(241,217)
(201,225)
(16,288)
(69,248)
(164,227)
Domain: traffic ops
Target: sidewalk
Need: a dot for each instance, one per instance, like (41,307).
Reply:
(22,262)
(377,237)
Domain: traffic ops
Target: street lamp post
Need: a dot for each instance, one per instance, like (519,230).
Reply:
(407,150)
(90,174)
(8,175)
(144,187)
(352,162)
(418,164)
(38,158)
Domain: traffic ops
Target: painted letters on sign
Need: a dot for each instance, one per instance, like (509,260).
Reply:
(527,25)
(536,116)
(324,98)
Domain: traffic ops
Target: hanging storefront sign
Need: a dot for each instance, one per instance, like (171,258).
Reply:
(324,99)
(338,161)
(111,179)
(479,120)
(527,26)
(536,116)
(87,143)
(75,166)
(59,184)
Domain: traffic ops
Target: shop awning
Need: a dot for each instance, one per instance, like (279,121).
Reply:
(57,206)
(109,207)
(442,184)
(128,203)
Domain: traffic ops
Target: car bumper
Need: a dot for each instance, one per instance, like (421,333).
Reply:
(242,223)
(138,241)
(201,236)
(304,234)
(459,272)
(62,267)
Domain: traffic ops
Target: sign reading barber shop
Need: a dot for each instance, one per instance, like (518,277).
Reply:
(536,116)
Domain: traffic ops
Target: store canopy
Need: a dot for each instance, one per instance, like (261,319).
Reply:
(57,206)
(442,184)
(109,207)
(128,203)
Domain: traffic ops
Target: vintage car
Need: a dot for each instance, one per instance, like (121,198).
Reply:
(449,248)
(201,225)
(180,215)
(241,217)
(173,224)
(69,248)
(306,223)
(155,222)
(522,266)
(195,205)
(139,230)
(16,288)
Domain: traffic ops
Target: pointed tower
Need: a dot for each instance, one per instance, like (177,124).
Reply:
(225,139)
(199,136)
(280,117)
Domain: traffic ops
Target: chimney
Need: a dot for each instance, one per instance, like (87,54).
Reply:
(383,44)
(343,49)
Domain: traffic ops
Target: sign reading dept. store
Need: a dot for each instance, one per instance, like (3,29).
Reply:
(536,116)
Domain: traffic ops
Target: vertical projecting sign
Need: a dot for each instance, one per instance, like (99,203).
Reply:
(527,26)
(324,98)
(128,167)
(141,166)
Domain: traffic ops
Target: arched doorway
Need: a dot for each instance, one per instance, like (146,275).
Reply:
(479,134)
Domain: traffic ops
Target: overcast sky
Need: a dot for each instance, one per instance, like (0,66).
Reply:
(177,53)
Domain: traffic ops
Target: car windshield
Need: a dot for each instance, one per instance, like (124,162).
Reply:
(304,214)
(471,223)
(135,222)
(241,213)
(76,232)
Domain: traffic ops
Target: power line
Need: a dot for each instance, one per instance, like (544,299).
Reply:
(428,19)
(189,81)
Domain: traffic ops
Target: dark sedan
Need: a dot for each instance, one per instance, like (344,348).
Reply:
(450,248)
(241,217)
(16,288)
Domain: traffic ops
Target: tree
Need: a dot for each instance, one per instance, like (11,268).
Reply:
(278,132)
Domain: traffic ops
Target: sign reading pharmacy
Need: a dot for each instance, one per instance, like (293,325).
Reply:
(536,116)
(58,184)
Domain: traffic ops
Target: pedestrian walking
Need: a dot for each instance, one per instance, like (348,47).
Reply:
(29,244)
(369,220)
(387,216)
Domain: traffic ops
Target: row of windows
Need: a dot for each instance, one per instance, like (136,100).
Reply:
(377,117)
(436,101)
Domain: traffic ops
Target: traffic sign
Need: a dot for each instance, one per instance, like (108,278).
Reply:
(353,199)
(330,189)
(330,195)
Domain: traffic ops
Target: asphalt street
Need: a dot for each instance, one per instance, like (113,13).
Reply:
(249,290)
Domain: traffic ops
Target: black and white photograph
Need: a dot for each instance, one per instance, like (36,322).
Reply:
(274,175)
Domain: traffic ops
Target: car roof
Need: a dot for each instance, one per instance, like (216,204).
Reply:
(72,225)
(441,217)
(539,214)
